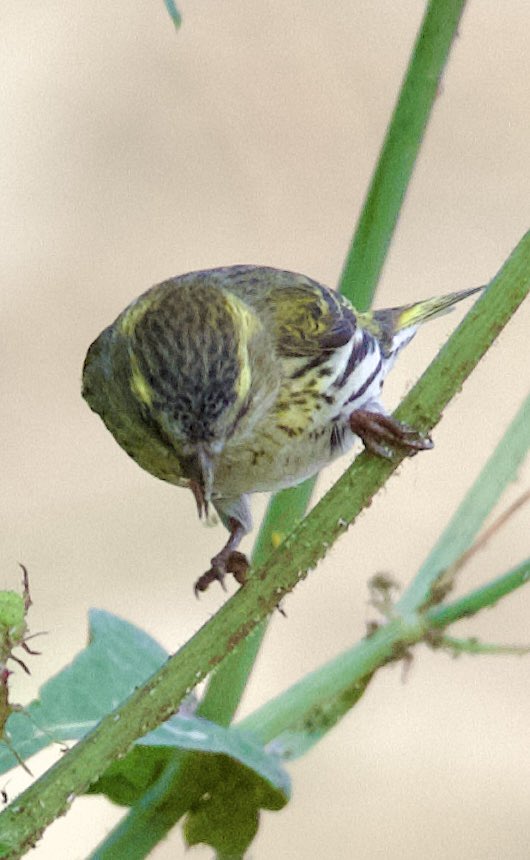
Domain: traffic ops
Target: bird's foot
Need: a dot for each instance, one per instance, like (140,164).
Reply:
(381,434)
(231,561)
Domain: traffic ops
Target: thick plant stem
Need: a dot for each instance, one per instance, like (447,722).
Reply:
(23,822)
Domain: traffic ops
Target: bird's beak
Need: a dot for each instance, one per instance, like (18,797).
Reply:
(207,473)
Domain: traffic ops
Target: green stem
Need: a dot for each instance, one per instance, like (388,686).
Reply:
(358,281)
(23,822)
(486,595)
(402,142)
(500,470)
(301,702)
(474,646)
(340,682)
(228,682)
(173,13)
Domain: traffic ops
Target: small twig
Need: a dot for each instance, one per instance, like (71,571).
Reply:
(474,646)
(445,582)
(489,532)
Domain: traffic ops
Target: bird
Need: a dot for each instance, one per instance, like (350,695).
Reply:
(244,379)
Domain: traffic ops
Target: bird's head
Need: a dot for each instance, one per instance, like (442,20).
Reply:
(198,357)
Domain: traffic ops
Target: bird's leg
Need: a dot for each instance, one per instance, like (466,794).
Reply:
(381,433)
(228,560)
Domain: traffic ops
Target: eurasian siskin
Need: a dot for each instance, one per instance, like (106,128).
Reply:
(247,379)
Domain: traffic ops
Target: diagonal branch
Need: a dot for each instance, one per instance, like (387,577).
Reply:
(23,822)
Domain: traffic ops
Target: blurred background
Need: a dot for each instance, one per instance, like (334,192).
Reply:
(130,153)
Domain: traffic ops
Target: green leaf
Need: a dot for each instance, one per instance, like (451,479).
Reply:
(97,680)
(196,733)
(126,780)
(227,815)
(174,13)
(303,733)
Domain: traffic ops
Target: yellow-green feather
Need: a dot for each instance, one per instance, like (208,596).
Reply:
(430,308)
(386,322)
(246,324)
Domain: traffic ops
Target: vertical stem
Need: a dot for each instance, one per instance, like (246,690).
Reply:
(389,183)
(358,282)
(229,680)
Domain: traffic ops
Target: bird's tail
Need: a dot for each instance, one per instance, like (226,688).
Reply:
(389,322)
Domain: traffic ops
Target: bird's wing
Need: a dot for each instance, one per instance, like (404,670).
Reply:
(311,320)
(306,318)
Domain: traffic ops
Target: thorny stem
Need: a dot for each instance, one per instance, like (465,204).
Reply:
(23,822)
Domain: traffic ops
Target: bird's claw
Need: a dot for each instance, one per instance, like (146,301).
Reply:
(233,562)
(211,575)
(382,433)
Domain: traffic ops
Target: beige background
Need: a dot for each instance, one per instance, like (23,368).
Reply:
(130,153)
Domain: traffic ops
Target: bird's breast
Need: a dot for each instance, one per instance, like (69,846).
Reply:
(307,426)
